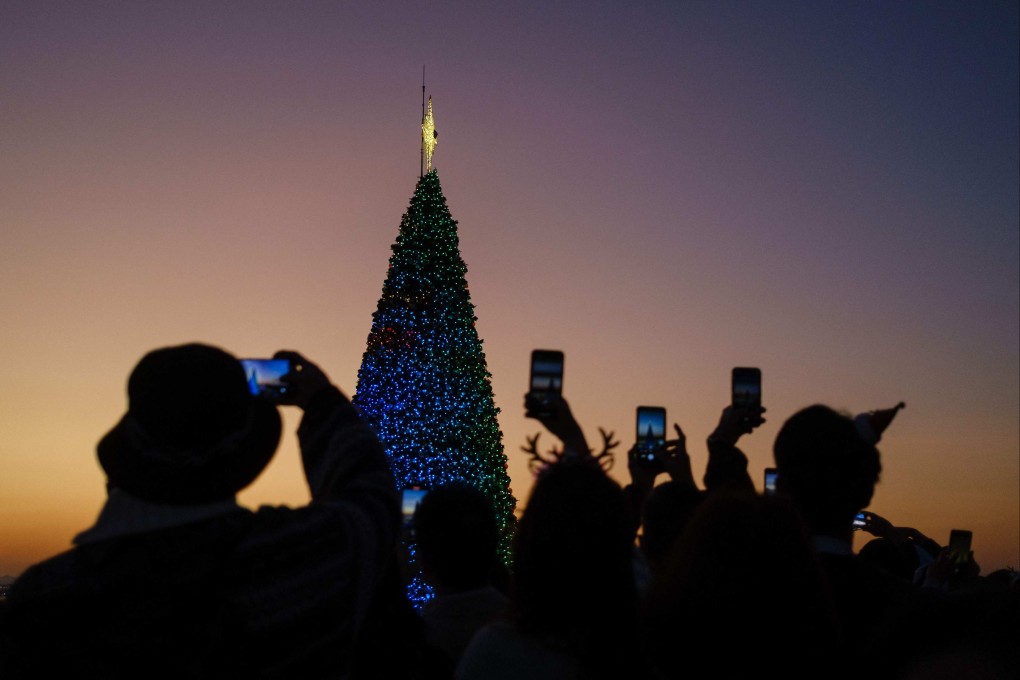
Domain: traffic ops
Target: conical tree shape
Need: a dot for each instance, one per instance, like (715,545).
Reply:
(423,383)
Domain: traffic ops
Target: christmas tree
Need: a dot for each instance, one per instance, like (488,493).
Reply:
(423,383)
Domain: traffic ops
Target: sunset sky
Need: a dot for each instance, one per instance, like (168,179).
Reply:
(662,190)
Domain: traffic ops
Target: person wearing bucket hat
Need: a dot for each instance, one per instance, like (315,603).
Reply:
(175,579)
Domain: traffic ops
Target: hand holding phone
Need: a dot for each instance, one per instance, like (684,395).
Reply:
(545,382)
(959,545)
(646,458)
(306,379)
(746,389)
(745,410)
(650,429)
(676,461)
(736,422)
(287,379)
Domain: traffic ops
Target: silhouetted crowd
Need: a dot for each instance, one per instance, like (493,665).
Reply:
(176,580)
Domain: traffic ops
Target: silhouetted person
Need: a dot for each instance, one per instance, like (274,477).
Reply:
(741,595)
(900,551)
(392,642)
(830,472)
(968,634)
(667,512)
(457,539)
(726,469)
(175,579)
(662,510)
(667,509)
(1002,580)
(573,604)
(897,559)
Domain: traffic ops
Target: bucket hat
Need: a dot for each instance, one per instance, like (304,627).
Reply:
(193,432)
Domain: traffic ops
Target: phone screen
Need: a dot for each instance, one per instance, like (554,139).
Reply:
(959,545)
(265,376)
(409,503)
(860,521)
(546,372)
(651,428)
(770,481)
(746,388)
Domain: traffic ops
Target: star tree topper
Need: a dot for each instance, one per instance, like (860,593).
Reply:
(429,136)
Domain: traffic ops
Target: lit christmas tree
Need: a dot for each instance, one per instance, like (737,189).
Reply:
(423,383)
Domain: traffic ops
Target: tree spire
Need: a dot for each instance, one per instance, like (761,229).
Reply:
(429,137)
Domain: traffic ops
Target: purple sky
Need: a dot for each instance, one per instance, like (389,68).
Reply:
(662,190)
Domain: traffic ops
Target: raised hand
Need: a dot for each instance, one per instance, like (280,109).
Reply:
(676,460)
(305,379)
(556,416)
(736,421)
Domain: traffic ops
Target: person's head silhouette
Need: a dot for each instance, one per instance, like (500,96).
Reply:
(826,467)
(193,432)
(455,528)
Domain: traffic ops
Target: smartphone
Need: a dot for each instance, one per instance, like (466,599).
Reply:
(265,377)
(860,521)
(771,474)
(650,432)
(546,375)
(746,388)
(959,545)
(409,503)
